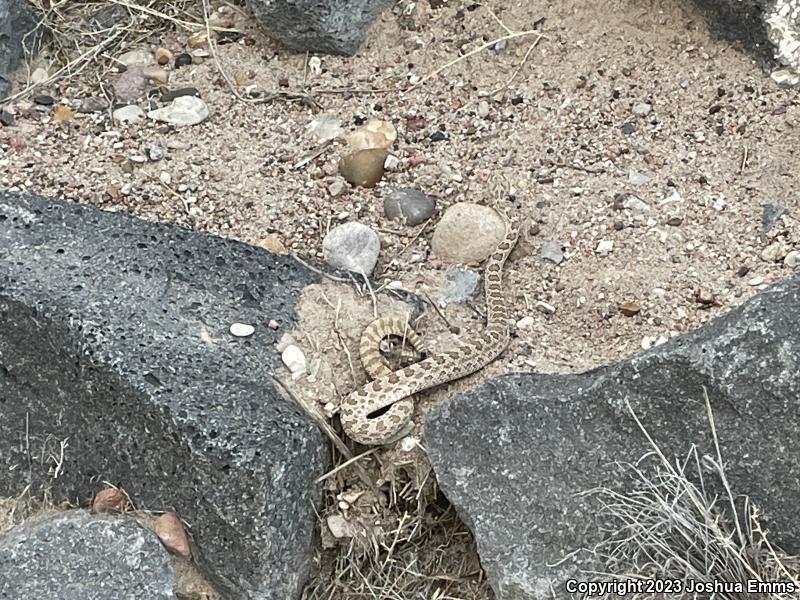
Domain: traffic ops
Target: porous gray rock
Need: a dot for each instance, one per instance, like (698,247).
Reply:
(17,21)
(115,338)
(409,205)
(326,26)
(77,556)
(769,29)
(514,454)
(353,247)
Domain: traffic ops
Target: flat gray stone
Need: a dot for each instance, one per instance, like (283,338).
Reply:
(514,454)
(115,337)
(461,286)
(78,556)
(17,18)
(552,251)
(326,26)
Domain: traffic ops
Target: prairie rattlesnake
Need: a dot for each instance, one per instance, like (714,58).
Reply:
(393,388)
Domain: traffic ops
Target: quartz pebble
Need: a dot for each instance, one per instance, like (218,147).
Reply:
(352,246)
(525,323)
(183,111)
(242,330)
(552,251)
(128,114)
(295,360)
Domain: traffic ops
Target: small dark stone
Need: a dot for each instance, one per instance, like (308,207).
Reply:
(770,215)
(359,120)
(92,104)
(749,89)
(170,95)
(714,109)
(626,71)
(410,205)
(628,128)
(619,225)
(183,60)
(283,82)
(44,100)
(517,100)
(743,270)
(720,92)
(229,37)
(674,221)
(438,136)
(6,118)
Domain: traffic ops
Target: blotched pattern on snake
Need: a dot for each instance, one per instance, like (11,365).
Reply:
(394,389)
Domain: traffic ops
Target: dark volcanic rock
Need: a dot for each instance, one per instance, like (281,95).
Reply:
(114,336)
(78,556)
(327,26)
(17,19)
(514,453)
(769,29)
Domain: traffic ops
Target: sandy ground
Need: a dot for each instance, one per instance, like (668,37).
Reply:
(717,144)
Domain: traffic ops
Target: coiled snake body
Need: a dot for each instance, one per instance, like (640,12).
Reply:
(394,389)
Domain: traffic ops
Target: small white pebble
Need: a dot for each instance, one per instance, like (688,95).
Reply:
(272,324)
(545,307)
(756,281)
(792,259)
(604,247)
(408,443)
(295,360)
(242,329)
(525,323)
(391,163)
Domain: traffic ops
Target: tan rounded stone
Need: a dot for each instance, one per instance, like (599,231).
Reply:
(169,529)
(363,168)
(467,233)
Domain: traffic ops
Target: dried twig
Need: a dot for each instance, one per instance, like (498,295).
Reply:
(473,52)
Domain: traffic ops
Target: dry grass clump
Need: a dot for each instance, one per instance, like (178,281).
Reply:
(404,541)
(15,510)
(90,33)
(671,526)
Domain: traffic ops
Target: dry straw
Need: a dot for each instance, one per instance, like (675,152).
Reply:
(669,525)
